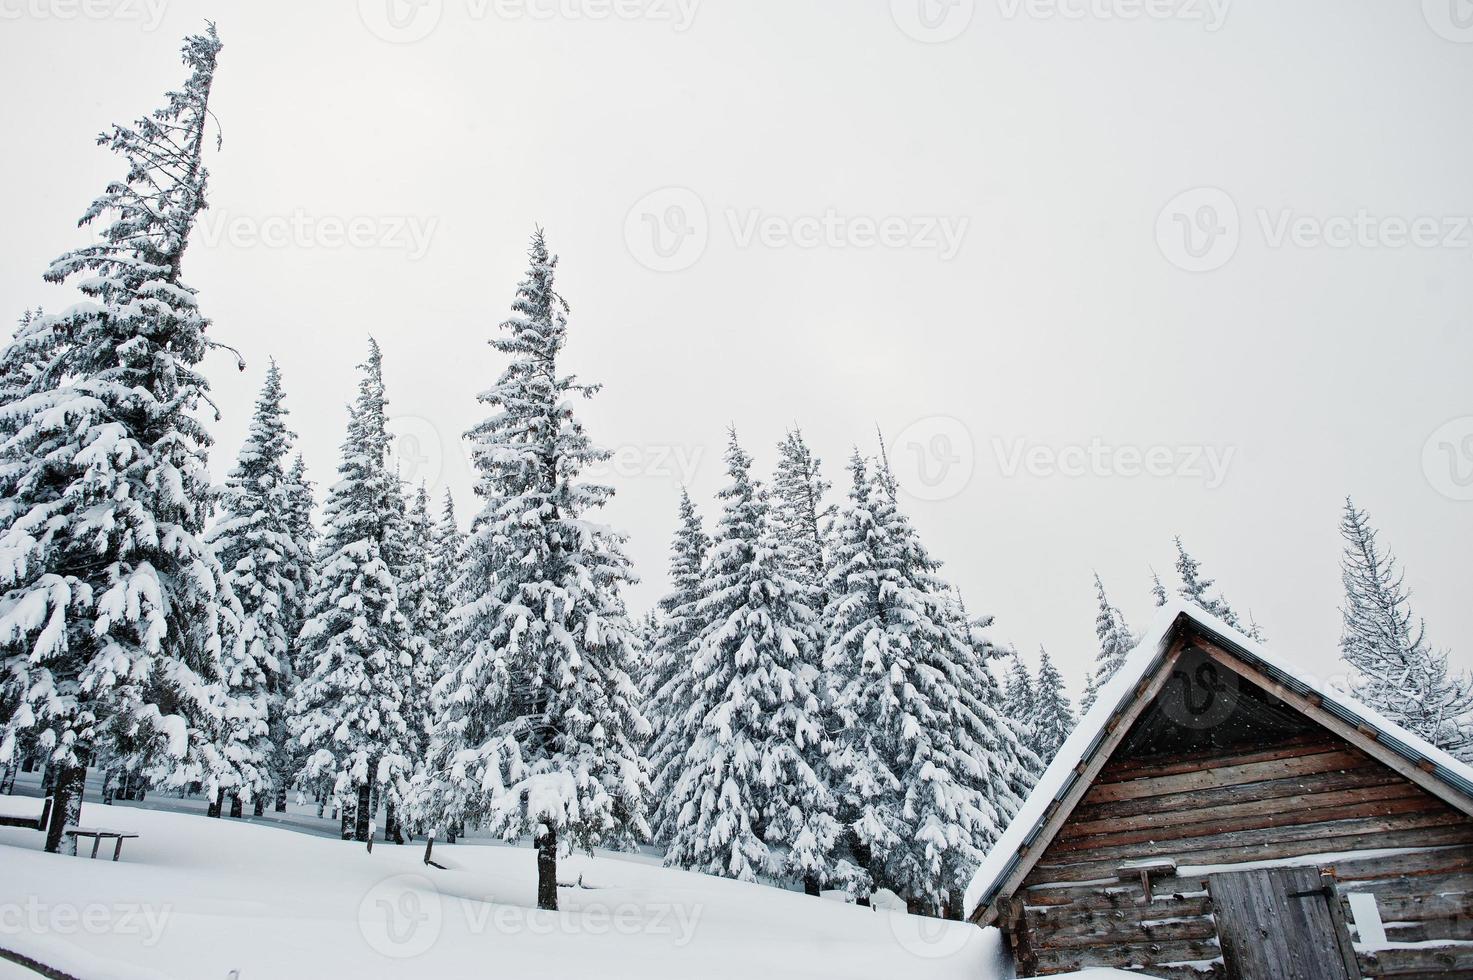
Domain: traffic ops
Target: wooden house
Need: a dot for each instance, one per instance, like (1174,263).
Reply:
(1219,813)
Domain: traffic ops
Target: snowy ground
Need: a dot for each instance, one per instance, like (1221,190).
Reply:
(245,900)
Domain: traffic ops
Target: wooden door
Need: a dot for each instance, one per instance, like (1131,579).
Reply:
(1281,924)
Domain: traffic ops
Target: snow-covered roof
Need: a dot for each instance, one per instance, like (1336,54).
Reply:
(1073,758)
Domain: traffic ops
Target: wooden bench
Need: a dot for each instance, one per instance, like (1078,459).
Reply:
(29,823)
(98,836)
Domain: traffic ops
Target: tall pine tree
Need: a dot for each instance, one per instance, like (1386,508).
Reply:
(350,710)
(1115,642)
(1018,696)
(114,614)
(254,544)
(800,515)
(538,721)
(1053,716)
(751,798)
(670,702)
(1397,672)
(923,758)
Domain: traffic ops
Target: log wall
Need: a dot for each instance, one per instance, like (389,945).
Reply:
(1297,802)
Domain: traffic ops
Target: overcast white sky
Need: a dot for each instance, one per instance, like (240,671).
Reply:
(1018,235)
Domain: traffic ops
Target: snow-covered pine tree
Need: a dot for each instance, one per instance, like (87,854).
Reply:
(1115,639)
(445,551)
(1158,591)
(1194,588)
(22,363)
(350,710)
(1018,696)
(538,721)
(113,611)
(301,563)
(424,616)
(670,703)
(995,756)
(1396,671)
(1053,716)
(751,798)
(298,568)
(921,754)
(253,542)
(800,514)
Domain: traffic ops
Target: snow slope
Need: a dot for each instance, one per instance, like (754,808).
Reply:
(229,900)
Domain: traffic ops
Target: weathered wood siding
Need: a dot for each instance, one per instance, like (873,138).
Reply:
(1308,796)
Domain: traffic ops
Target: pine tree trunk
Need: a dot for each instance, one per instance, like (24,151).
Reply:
(260,805)
(7,782)
(365,798)
(109,787)
(345,814)
(281,799)
(66,809)
(864,856)
(547,870)
(810,885)
(236,808)
(392,830)
(217,804)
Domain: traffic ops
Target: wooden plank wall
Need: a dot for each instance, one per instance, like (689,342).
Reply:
(1310,795)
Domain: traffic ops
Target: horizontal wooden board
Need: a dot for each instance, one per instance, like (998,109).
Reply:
(1276,813)
(1104,931)
(1244,802)
(1363,837)
(1186,951)
(1252,772)
(1119,770)
(1063,916)
(1431,861)
(1435,959)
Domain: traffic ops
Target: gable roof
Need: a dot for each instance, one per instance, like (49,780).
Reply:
(1135,685)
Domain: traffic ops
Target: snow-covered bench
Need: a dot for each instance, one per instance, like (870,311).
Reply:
(98,835)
